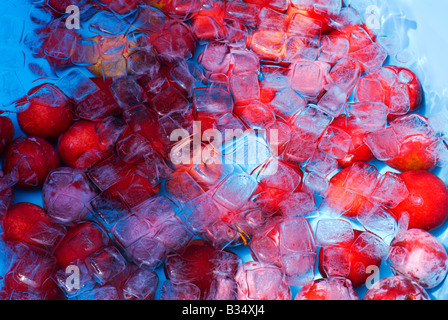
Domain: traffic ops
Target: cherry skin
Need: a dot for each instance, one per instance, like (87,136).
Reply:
(359,151)
(333,288)
(427,203)
(419,255)
(81,146)
(396,288)
(79,242)
(358,261)
(28,223)
(6,132)
(6,196)
(45,120)
(33,157)
(414,155)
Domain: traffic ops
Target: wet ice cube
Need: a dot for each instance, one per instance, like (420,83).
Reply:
(296,236)
(361,179)
(383,143)
(370,57)
(271,19)
(316,183)
(244,60)
(335,142)
(245,87)
(333,48)
(182,291)
(345,73)
(308,78)
(263,282)
(127,231)
(334,231)
(411,125)
(200,213)
(298,268)
(212,100)
(107,264)
(141,285)
(301,147)
(369,116)
(378,220)
(322,163)
(182,187)
(76,85)
(105,22)
(287,102)
(321,6)
(333,101)
(336,261)
(312,120)
(128,92)
(216,57)
(143,62)
(391,190)
(169,100)
(298,204)
(276,174)
(85,53)
(235,191)
(108,172)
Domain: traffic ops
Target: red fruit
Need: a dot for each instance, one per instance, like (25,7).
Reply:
(419,255)
(6,196)
(414,155)
(427,203)
(396,288)
(33,157)
(133,190)
(28,223)
(333,288)
(80,242)
(46,117)
(6,132)
(359,151)
(61,5)
(30,278)
(201,264)
(410,84)
(81,145)
(359,260)
(337,196)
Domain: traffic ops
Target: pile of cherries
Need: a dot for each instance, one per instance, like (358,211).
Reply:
(97,142)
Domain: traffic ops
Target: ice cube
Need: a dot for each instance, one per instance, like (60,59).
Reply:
(391,190)
(298,268)
(105,22)
(332,7)
(383,143)
(369,116)
(298,204)
(330,232)
(345,73)
(182,187)
(279,175)
(286,103)
(200,213)
(296,236)
(378,220)
(215,57)
(333,101)
(362,179)
(128,93)
(336,261)
(107,264)
(245,87)
(308,78)
(235,191)
(333,48)
(263,282)
(76,85)
(312,120)
(316,183)
(335,142)
(85,53)
(243,61)
(182,291)
(141,285)
(269,19)
(143,62)
(322,163)
(214,101)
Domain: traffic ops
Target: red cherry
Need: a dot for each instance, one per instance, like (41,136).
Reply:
(6,132)
(30,278)
(28,223)
(358,151)
(414,155)
(42,117)
(349,205)
(81,145)
(396,288)
(419,255)
(427,203)
(80,242)
(199,264)
(359,260)
(33,157)
(333,288)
